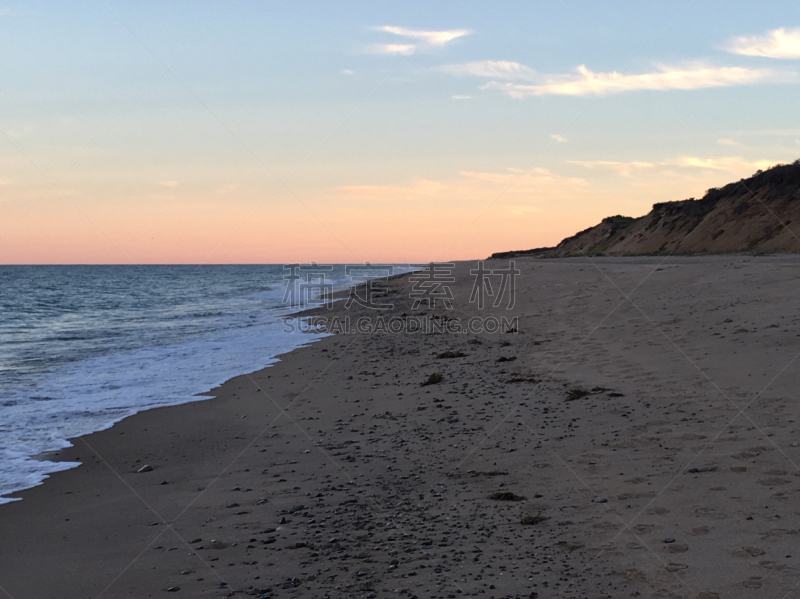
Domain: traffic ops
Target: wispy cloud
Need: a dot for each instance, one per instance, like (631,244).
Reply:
(731,164)
(460,97)
(425,38)
(523,180)
(729,142)
(625,169)
(434,38)
(169,183)
(470,184)
(778,43)
(495,69)
(559,138)
(519,81)
(402,49)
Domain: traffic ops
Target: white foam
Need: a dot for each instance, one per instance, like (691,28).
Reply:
(230,336)
(98,392)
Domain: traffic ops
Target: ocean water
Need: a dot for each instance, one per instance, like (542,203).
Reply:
(82,347)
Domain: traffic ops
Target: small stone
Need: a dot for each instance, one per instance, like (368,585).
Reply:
(173,589)
(669,540)
(217,545)
(702,469)
(145,468)
(505,496)
(571,546)
(537,519)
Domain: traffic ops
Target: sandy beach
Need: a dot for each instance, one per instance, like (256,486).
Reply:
(636,436)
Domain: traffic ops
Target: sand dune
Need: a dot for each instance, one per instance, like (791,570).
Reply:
(756,215)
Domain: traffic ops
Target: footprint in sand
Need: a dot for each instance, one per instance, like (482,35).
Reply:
(753,551)
(770,565)
(754,582)
(641,529)
(773,481)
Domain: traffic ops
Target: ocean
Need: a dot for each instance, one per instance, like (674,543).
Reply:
(82,347)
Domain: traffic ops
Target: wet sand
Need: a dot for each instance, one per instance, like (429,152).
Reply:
(638,434)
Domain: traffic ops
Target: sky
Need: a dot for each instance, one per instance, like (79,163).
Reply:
(338,132)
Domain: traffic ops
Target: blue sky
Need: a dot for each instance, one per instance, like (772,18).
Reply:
(195,131)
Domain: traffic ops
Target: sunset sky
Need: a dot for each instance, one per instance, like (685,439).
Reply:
(337,131)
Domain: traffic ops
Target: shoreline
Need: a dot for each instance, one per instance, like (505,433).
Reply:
(303,314)
(31,477)
(384,485)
